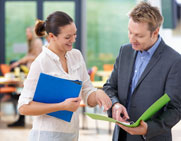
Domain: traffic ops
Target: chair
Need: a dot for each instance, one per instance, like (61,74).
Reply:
(5,89)
(84,121)
(108,67)
(4,69)
(93,72)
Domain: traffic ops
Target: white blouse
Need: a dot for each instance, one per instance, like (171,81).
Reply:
(46,127)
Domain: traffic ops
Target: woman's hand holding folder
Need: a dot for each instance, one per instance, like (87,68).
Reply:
(38,108)
(72,104)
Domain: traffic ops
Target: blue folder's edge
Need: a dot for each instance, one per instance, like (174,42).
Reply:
(74,81)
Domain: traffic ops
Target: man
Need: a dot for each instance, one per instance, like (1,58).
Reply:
(144,70)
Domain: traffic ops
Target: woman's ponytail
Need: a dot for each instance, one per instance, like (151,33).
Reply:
(40,28)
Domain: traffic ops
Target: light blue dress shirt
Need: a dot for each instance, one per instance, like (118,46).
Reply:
(142,60)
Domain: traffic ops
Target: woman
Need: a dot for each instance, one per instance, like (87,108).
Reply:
(34,49)
(61,60)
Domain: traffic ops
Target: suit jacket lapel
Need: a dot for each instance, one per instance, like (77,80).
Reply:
(130,71)
(155,58)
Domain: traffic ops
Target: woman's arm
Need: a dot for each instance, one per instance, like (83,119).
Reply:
(91,95)
(37,108)
(99,97)
(24,60)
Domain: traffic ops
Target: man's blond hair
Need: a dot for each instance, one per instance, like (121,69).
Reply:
(144,12)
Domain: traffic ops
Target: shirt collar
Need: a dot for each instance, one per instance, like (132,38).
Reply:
(155,46)
(152,49)
(52,54)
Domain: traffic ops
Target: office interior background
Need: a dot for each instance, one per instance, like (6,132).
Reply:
(102,25)
(102,28)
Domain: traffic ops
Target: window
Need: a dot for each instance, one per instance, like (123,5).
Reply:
(106,30)
(68,7)
(17,19)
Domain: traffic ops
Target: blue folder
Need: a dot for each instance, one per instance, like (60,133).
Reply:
(52,89)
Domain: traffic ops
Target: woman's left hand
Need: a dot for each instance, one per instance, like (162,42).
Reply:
(103,99)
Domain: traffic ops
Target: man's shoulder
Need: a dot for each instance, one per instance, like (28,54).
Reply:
(170,52)
(126,49)
(126,46)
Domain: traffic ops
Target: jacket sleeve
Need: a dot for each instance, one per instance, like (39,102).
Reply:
(172,113)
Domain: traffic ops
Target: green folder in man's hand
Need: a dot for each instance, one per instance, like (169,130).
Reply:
(155,107)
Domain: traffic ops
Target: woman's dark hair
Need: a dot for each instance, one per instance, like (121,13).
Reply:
(52,24)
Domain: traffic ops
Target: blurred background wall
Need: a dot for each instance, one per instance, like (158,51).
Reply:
(104,29)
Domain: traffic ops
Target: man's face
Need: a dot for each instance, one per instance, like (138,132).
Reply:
(140,36)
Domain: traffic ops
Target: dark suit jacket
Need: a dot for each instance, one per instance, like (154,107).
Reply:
(162,75)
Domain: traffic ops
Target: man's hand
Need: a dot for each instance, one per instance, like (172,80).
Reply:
(140,130)
(119,110)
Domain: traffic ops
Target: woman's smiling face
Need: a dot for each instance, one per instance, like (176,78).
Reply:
(67,36)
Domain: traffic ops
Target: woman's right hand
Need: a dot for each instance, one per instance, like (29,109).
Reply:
(71,104)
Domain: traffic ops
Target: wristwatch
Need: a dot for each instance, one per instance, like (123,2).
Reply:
(143,137)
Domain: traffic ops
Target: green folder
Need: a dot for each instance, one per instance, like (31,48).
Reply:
(155,107)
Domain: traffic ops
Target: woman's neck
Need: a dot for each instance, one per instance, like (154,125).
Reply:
(59,53)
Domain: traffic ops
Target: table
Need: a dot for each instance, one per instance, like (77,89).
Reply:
(98,84)
(7,81)
(103,74)
(17,82)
